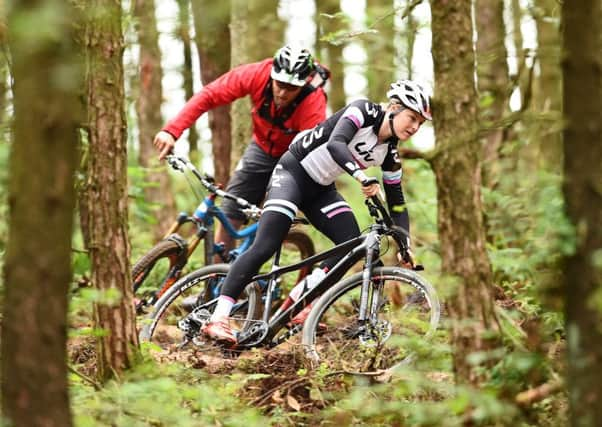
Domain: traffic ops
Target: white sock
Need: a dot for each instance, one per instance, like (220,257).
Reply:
(222,309)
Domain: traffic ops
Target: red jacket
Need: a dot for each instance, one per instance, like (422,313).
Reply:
(251,79)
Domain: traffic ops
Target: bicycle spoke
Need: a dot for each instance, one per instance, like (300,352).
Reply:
(389,337)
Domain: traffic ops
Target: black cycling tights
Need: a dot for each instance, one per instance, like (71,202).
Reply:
(273,228)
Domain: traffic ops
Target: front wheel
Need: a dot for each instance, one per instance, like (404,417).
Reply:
(333,333)
(179,314)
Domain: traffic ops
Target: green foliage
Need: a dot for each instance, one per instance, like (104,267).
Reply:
(162,394)
(417,400)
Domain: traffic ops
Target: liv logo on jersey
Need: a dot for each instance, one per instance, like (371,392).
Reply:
(312,136)
(371,110)
(365,154)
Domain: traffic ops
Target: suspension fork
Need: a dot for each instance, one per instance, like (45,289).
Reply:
(367,298)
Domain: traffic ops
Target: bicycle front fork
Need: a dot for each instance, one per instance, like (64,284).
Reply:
(371,292)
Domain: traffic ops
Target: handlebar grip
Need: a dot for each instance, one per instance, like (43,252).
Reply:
(369,181)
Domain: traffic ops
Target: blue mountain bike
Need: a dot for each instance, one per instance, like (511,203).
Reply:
(156,271)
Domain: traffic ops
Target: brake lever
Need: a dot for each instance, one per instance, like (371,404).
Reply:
(175,163)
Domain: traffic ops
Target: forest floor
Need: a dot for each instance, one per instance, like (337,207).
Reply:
(275,377)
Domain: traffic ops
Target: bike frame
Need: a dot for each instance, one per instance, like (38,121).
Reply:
(205,214)
(366,246)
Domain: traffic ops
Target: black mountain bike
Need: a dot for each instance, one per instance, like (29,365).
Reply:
(353,326)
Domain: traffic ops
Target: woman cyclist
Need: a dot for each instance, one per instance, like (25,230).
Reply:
(360,135)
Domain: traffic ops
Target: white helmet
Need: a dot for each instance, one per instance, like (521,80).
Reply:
(292,65)
(412,96)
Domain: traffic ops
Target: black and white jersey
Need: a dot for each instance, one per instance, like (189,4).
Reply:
(345,142)
(348,142)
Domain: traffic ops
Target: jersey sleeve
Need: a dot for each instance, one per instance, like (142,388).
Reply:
(352,119)
(230,86)
(392,173)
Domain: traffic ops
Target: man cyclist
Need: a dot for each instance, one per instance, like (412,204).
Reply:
(287,97)
(360,135)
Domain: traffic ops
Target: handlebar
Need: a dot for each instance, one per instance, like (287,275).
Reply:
(179,164)
(250,210)
(381,216)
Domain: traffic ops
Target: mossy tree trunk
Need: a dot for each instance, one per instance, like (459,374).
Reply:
(183,33)
(256,33)
(148,110)
(547,97)
(4,69)
(381,66)
(107,189)
(266,27)
(582,80)
(48,78)
(240,36)
(494,85)
(328,22)
(458,176)
(213,44)
(411,28)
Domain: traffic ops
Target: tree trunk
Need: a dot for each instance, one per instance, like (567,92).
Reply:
(4,70)
(329,53)
(264,21)
(381,69)
(458,177)
(492,74)
(582,105)
(248,20)
(213,44)
(187,75)
(48,78)
(410,37)
(547,96)
(148,109)
(107,189)
(240,36)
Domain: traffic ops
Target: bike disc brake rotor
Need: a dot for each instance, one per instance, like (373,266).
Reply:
(375,333)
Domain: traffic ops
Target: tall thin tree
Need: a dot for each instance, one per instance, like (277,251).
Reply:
(267,27)
(107,188)
(212,37)
(183,33)
(48,77)
(458,176)
(548,94)
(381,67)
(4,70)
(239,53)
(329,21)
(493,81)
(256,33)
(582,88)
(148,109)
